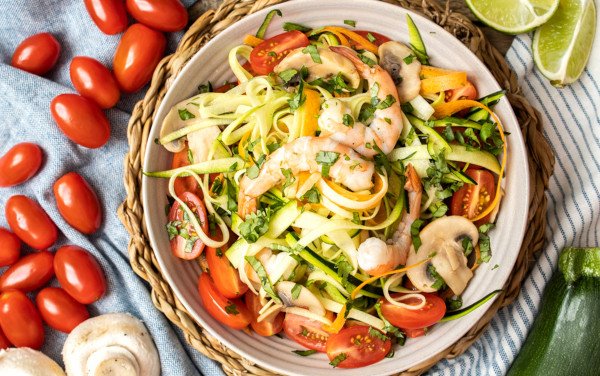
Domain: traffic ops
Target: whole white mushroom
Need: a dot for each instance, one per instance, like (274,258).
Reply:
(111,344)
(24,361)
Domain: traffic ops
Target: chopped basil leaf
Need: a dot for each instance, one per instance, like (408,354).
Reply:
(219,252)
(484,229)
(388,120)
(348,120)
(409,59)
(264,278)
(231,197)
(233,167)
(289,177)
(273,146)
(272,53)
(414,232)
(487,129)
(296,291)
(389,328)
(367,60)
(371,38)
(454,304)
(439,281)
(496,267)
(304,352)
(350,23)
(205,88)
(366,112)
(377,334)
(232,309)
(311,49)
(344,268)
(356,218)
(312,196)
(185,114)
(387,102)
(326,159)
(485,249)
(467,245)
(217,187)
(289,26)
(287,75)
(255,225)
(172,229)
(298,98)
(338,359)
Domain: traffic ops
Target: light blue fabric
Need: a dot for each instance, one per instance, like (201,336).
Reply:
(571,124)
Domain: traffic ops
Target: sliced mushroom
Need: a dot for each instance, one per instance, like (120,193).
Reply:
(304,299)
(27,362)
(331,65)
(405,70)
(442,238)
(111,344)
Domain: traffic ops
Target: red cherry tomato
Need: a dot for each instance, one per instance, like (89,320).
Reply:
(108,15)
(226,277)
(77,203)
(270,52)
(81,120)
(10,247)
(79,274)
(231,312)
(471,200)
(227,86)
(163,15)
(186,183)
(37,54)
(308,333)
(185,247)
(20,320)
(138,53)
(468,91)
(94,81)
(30,222)
(4,342)
(431,313)
(59,310)
(415,333)
(268,326)
(357,347)
(375,38)
(29,273)
(20,164)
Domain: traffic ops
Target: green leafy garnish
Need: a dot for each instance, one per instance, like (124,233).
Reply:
(388,327)
(350,23)
(348,120)
(255,225)
(232,309)
(287,75)
(338,359)
(312,195)
(289,177)
(414,232)
(304,352)
(263,277)
(454,304)
(185,114)
(377,334)
(367,60)
(205,88)
(311,49)
(439,281)
(371,38)
(231,197)
(289,26)
(298,98)
(409,59)
(326,159)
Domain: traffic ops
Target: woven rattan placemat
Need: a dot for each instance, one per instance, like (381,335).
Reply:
(213,22)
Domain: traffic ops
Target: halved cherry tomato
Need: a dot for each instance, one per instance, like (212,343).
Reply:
(94,81)
(269,53)
(29,273)
(77,203)
(20,320)
(79,274)
(30,222)
(270,325)
(59,310)
(431,313)
(356,347)
(308,333)
(468,91)
(37,54)
(4,342)
(10,247)
(414,333)
(163,15)
(226,87)
(231,312)
(20,164)
(226,277)
(378,40)
(471,200)
(108,15)
(137,54)
(181,231)
(185,183)
(81,120)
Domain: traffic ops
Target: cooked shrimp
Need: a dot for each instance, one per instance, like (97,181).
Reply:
(300,155)
(386,126)
(376,256)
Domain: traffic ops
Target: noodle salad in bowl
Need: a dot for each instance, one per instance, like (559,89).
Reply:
(339,192)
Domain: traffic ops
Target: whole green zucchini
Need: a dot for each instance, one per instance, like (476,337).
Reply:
(565,336)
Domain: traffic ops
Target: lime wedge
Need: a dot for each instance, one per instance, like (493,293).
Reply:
(562,46)
(513,16)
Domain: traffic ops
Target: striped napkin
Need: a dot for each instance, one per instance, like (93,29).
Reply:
(571,122)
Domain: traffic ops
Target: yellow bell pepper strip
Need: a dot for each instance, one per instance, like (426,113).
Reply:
(428,71)
(339,322)
(449,108)
(242,145)
(442,83)
(364,42)
(310,108)
(252,41)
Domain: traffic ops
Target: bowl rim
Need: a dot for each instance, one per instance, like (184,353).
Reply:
(256,18)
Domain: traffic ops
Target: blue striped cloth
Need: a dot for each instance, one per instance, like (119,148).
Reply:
(571,123)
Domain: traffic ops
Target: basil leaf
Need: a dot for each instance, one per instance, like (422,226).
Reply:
(289,26)
(338,359)
(311,49)
(185,114)
(350,23)
(255,225)
(264,278)
(304,352)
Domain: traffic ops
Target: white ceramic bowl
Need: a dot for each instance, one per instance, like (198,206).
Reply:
(445,51)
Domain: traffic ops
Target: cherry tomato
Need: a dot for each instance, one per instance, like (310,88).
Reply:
(163,15)
(108,15)
(94,81)
(268,326)
(186,247)
(468,91)
(226,277)
(37,54)
(231,312)
(20,164)
(59,310)
(375,38)
(471,200)
(10,247)
(79,274)
(308,333)
(4,342)
(29,273)
(357,347)
(81,120)
(138,53)
(77,203)
(186,183)
(30,222)
(414,333)
(270,52)
(432,312)
(226,87)
(20,320)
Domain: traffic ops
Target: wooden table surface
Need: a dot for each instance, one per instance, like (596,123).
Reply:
(500,41)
